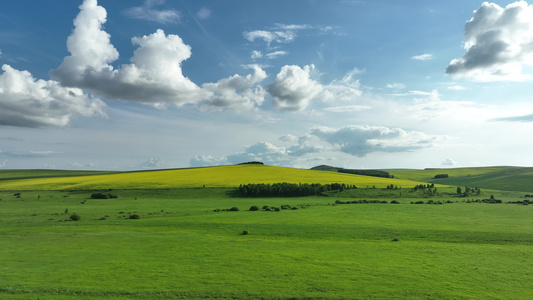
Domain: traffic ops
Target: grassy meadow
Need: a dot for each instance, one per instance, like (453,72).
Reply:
(186,244)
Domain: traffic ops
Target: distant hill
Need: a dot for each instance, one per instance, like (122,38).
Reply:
(364,172)
(222,176)
(497,178)
(325,168)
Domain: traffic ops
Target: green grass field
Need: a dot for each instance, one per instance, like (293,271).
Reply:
(181,248)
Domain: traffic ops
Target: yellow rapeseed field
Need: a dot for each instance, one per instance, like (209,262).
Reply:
(223,176)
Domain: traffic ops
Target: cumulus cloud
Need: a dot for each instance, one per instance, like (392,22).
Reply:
(293,88)
(265,152)
(29,102)
(345,89)
(82,165)
(359,140)
(256,54)
(448,162)
(154,76)
(498,43)
(147,12)
(425,56)
(237,92)
(152,163)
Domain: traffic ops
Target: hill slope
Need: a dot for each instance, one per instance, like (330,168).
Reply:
(496,178)
(224,176)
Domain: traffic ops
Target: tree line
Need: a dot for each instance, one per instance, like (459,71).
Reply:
(286,189)
(375,173)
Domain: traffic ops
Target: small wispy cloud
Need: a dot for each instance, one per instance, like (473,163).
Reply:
(346,108)
(522,118)
(425,56)
(456,87)
(148,13)
(395,86)
(276,54)
(203,13)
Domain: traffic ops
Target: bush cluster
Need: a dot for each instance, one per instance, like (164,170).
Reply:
(361,202)
(264,208)
(430,202)
(103,196)
(524,202)
(234,208)
(441,176)
(75,217)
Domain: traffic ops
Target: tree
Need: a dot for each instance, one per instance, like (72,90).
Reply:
(458,190)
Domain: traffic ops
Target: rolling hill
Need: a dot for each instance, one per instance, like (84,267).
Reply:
(222,176)
(503,178)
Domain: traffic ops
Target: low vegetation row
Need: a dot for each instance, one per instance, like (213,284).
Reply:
(266,208)
(285,189)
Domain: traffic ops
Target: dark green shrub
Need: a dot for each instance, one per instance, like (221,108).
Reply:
(235,208)
(245,232)
(294,208)
(394,202)
(395,239)
(99,196)
(75,217)
(276,208)
(135,216)
(254,208)
(266,206)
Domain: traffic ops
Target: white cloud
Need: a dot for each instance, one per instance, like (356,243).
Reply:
(29,102)
(498,43)
(152,163)
(345,89)
(203,13)
(270,36)
(147,12)
(154,76)
(265,152)
(82,165)
(293,88)
(396,86)
(207,160)
(237,92)
(3,163)
(256,54)
(448,162)
(359,140)
(425,56)
(288,138)
(456,87)
(276,54)
(347,108)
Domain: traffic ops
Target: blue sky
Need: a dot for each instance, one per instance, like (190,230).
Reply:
(126,85)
